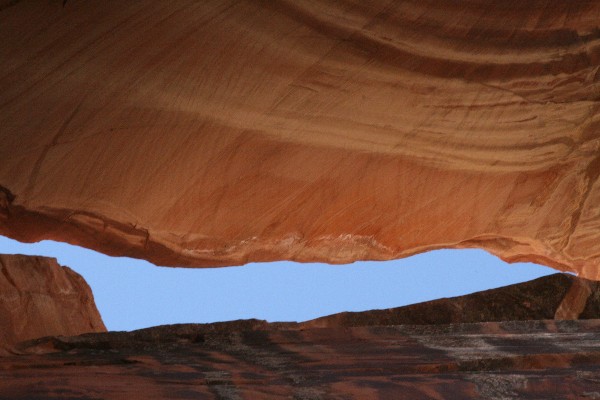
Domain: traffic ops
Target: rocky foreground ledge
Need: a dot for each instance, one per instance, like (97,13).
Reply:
(242,360)
(520,341)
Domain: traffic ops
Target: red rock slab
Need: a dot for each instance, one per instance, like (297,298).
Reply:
(521,359)
(221,132)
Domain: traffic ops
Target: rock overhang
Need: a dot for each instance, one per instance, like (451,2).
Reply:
(220,133)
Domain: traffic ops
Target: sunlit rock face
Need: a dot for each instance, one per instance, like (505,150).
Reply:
(208,133)
(40,298)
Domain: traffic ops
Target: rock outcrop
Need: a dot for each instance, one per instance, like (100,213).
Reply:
(405,353)
(494,360)
(221,132)
(40,298)
(558,296)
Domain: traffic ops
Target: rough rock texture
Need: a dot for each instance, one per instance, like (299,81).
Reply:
(367,355)
(209,133)
(558,296)
(40,298)
(509,360)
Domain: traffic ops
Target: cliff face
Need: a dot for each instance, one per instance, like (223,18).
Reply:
(221,132)
(39,298)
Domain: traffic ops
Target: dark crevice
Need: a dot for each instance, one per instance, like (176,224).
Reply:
(8,4)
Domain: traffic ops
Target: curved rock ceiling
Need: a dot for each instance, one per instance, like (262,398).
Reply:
(222,132)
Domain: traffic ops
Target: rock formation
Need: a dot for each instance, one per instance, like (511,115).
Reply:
(214,133)
(494,360)
(221,132)
(368,355)
(558,296)
(351,356)
(39,298)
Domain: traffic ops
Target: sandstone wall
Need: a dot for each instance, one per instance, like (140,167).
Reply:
(221,132)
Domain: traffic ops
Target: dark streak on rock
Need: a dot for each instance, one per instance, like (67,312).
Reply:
(6,199)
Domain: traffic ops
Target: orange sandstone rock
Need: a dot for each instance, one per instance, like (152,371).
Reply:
(40,298)
(222,132)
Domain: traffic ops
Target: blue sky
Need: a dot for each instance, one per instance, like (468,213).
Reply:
(132,294)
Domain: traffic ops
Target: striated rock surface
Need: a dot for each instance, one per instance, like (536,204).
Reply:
(371,355)
(221,132)
(40,298)
(521,359)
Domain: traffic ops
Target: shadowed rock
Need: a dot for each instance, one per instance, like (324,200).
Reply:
(370,355)
(558,296)
(493,360)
